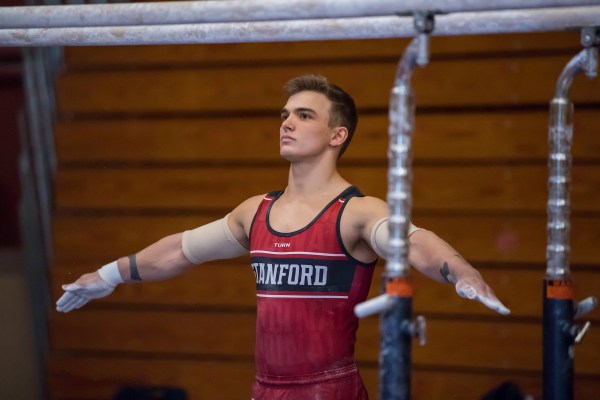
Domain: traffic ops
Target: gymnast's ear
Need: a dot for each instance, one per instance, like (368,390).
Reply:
(339,136)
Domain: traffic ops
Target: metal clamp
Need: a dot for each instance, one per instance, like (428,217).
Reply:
(424,23)
(416,329)
(590,39)
(419,329)
(590,36)
(581,332)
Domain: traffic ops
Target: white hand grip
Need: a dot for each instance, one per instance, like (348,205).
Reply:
(373,306)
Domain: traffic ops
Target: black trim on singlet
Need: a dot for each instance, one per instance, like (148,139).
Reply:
(260,205)
(356,193)
(287,234)
(274,193)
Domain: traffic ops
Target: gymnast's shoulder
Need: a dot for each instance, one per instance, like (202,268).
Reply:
(362,210)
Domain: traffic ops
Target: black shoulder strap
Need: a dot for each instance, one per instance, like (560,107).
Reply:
(351,192)
(275,193)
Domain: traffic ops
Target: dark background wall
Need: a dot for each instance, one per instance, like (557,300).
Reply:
(11,101)
(18,365)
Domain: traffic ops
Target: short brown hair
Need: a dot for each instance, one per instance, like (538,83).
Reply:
(343,110)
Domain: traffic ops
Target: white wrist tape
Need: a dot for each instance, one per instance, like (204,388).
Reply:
(380,236)
(110,274)
(212,241)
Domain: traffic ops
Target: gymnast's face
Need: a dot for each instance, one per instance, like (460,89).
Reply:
(305,131)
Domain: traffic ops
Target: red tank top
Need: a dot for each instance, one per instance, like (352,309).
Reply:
(307,285)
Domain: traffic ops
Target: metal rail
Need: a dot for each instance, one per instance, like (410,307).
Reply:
(467,23)
(184,12)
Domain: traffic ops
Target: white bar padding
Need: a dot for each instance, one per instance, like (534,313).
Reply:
(380,237)
(110,274)
(210,242)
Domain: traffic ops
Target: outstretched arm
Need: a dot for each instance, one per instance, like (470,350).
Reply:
(436,259)
(160,260)
(428,253)
(169,257)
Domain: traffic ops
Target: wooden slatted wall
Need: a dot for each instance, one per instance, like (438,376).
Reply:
(155,140)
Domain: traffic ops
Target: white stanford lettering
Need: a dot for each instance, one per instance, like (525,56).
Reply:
(290,274)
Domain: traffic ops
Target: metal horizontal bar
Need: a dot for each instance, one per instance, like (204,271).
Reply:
(187,12)
(512,21)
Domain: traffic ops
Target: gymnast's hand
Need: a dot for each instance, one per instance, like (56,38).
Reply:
(79,293)
(474,288)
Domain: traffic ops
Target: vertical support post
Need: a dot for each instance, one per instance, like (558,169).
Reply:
(396,338)
(395,304)
(396,341)
(558,344)
(36,259)
(560,334)
(397,328)
(36,167)
(558,351)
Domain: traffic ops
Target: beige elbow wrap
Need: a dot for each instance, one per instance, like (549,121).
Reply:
(380,236)
(212,241)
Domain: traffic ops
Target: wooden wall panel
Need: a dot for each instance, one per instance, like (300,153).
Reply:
(500,82)
(486,188)
(505,239)
(481,137)
(145,56)
(145,330)
(154,140)
(99,377)
(515,344)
